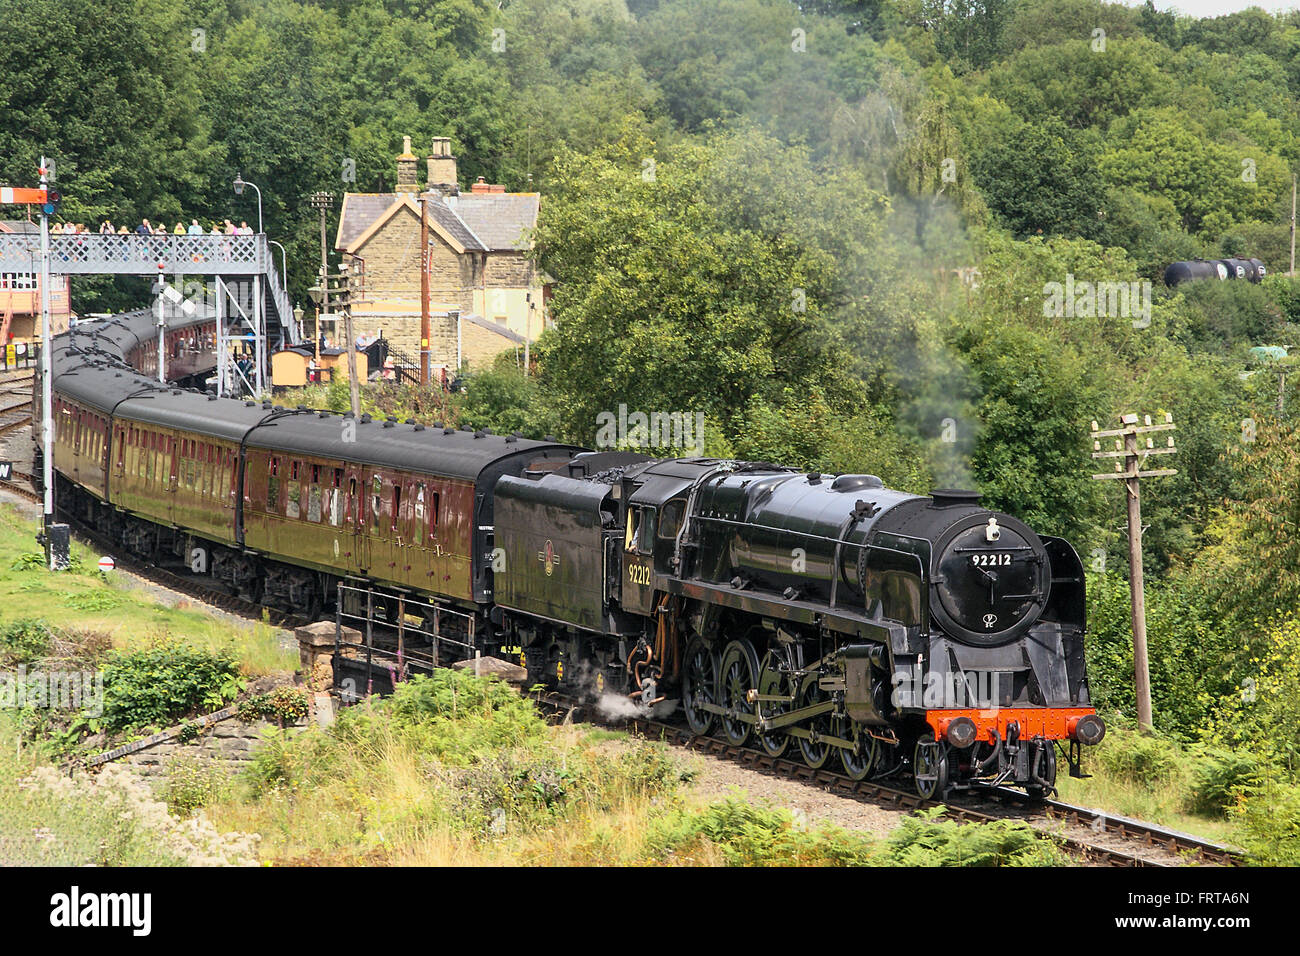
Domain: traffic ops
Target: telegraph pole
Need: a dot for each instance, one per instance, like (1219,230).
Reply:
(424,289)
(1127,448)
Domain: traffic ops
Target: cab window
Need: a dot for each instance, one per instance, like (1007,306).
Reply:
(671,520)
(640,533)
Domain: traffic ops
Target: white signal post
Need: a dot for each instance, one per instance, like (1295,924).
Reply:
(47,367)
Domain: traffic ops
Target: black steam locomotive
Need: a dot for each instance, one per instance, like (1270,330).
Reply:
(819,614)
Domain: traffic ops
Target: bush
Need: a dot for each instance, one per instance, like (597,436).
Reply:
(450,714)
(923,839)
(160,685)
(1268,819)
(1148,760)
(749,835)
(1218,778)
(192,783)
(284,705)
(24,641)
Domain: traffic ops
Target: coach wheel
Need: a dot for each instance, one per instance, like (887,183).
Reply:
(1042,766)
(930,768)
(699,685)
(739,677)
(861,759)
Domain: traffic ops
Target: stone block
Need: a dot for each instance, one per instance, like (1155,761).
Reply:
(483,666)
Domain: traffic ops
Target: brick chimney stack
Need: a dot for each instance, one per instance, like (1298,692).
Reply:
(442,167)
(406,168)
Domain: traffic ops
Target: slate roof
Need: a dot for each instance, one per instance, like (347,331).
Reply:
(500,220)
(484,222)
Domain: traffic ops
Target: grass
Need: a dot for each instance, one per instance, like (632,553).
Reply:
(1145,777)
(112,819)
(85,599)
(456,770)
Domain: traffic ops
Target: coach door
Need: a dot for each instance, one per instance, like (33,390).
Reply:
(353,540)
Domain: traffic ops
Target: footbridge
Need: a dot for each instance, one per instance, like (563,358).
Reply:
(243,264)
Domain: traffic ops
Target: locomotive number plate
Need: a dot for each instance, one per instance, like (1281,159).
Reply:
(639,573)
(991,560)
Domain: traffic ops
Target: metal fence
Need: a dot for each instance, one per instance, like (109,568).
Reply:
(420,629)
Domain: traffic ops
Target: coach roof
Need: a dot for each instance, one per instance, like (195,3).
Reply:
(439,451)
(193,412)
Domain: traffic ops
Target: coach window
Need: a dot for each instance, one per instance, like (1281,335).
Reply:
(293,505)
(434,505)
(396,516)
(273,487)
(353,514)
(376,501)
(313,496)
(336,494)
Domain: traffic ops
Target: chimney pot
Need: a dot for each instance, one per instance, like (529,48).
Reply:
(406,178)
(442,166)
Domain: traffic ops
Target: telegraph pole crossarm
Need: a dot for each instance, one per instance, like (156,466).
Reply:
(1128,448)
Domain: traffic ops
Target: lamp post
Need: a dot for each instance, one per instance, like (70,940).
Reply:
(239,185)
(284,264)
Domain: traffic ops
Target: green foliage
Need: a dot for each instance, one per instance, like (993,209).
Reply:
(1268,817)
(749,834)
(1262,712)
(284,705)
(670,304)
(159,685)
(192,783)
(1219,776)
(505,400)
(24,641)
(923,839)
(1152,761)
(1195,663)
(1043,180)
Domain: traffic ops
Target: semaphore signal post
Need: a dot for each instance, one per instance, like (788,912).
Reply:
(54,538)
(1133,443)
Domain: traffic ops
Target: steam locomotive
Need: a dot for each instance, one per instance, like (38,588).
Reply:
(822,615)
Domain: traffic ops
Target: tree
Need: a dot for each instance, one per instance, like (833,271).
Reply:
(125,139)
(700,280)
(1043,180)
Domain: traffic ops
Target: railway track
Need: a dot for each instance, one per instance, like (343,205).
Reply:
(14,415)
(1090,835)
